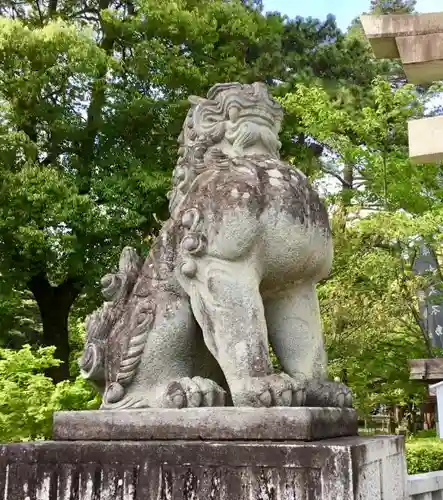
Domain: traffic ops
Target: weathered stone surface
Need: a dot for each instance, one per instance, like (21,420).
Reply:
(339,469)
(425,144)
(233,268)
(272,424)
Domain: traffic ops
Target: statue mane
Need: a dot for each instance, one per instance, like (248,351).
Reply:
(233,120)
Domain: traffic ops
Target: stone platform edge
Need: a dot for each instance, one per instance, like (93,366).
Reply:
(217,424)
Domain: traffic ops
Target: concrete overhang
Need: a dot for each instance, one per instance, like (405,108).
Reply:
(382,31)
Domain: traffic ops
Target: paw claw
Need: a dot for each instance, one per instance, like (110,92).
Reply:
(348,400)
(286,398)
(174,396)
(192,393)
(340,400)
(326,393)
(270,390)
(299,397)
(212,393)
(220,398)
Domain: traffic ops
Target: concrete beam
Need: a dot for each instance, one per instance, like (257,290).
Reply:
(430,483)
(426,370)
(422,57)
(426,140)
(382,31)
(418,41)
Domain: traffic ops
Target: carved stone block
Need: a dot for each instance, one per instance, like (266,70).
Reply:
(422,57)
(383,31)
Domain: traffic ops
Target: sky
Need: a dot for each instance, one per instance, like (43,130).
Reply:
(344,10)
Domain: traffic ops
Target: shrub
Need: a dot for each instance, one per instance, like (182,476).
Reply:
(424,455)
(28,398)
(429,433)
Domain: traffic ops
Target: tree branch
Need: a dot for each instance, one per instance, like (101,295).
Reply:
(52,8)
(40,13)
(415,314)
(337,176)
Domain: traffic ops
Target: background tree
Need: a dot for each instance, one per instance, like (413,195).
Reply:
(83,169)
(380,203)
(92,98)
(386,7)
(28,398)
(20,322)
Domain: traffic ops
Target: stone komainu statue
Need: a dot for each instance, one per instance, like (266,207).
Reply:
(233,269)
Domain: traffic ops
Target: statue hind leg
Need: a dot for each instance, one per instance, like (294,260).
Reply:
(296,336)
(207,367)
(167,374)
(226,301)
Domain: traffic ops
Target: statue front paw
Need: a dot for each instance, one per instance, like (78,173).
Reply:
(190,393)
(271,390)
(325,393)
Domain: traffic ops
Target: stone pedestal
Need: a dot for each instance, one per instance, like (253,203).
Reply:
(339,469)
(242,455)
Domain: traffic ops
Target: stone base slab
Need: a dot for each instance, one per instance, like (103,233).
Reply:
(229,423)
(339,469)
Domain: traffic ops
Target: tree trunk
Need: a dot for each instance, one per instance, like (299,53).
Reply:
(54,304)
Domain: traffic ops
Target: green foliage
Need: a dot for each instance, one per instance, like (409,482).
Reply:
(380,203)
(372,141)
(369,322)
(77,337)
(384,7)
(424,455)
(28,398)
(425,434)
(20,321)
(92,99)
(89,129)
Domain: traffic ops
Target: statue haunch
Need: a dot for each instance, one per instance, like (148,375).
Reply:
(233,269)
